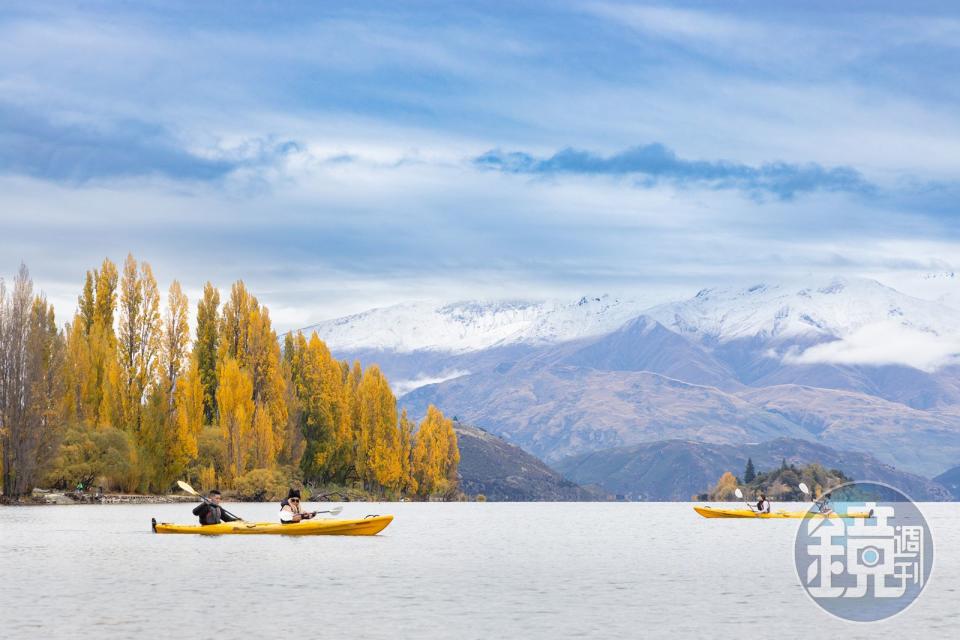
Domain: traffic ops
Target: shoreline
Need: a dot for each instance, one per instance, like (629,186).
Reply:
(68,498)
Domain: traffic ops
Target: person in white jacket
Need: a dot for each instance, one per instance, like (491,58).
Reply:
(763,504)
(290,511)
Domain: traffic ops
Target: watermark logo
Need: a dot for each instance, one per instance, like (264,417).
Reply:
(864,552)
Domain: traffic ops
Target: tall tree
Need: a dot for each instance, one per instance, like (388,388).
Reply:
(31,352)
(235,408)
(269,386)
(324,411)
(435,454)
(86,304)
(380,437)
(749,474)
(206,346)
(408,482)
(176,339)
(235,324)
(91,351)
(163,443)
(189,399)
(139,339)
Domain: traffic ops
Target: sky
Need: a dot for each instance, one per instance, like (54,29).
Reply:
(343,156)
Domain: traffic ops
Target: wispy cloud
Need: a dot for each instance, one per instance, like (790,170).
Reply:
(655,162)
(77,151)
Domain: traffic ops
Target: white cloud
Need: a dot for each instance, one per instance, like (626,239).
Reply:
(883,344)
(401,387)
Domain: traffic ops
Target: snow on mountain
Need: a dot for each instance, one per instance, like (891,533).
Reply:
(939,286)
(838,320)
(471,326)
(838,307)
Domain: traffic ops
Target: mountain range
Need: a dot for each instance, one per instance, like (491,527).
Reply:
(844,363)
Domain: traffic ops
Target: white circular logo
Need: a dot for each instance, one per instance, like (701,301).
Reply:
(864,551)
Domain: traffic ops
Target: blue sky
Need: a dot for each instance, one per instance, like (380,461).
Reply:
(342,157)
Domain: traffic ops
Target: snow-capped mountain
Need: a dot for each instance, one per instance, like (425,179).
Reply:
(837,308)
(842,361)
(820,309)
(472,326)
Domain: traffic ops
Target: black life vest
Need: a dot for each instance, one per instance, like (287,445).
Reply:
(211,515)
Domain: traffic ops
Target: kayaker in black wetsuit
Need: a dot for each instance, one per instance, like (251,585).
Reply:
(763,505)
(290,509)
(210,512)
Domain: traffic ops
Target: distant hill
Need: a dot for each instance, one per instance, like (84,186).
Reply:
(679,469)
(504,472)
(921,441)
(561,410)
(951,480)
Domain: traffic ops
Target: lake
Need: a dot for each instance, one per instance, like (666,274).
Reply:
(459,570)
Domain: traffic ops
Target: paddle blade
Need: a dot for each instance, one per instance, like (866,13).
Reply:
(804,488)
(738,493)
(183,485)
(336,511)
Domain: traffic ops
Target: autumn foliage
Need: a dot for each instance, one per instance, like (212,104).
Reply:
(125,395)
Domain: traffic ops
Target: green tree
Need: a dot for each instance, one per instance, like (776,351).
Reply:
(749,473)
(205,348)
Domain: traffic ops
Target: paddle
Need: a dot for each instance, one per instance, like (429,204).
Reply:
(806,491)
(183,485)
(739,494)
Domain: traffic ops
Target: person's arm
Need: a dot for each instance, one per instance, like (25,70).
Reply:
(286,515)
(226,517)
(200,509)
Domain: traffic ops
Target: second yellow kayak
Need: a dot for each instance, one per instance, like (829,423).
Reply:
(369,526)
(711,512)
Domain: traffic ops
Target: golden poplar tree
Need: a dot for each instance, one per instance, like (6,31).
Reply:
(436,455)
(189,403)
(269,385)
(235,324)
(91,370)
(235,408)
(174,350)
(408,483)
(324,410)
(138,340)
(380,436)
(96,369)
(247,336)
(167,446)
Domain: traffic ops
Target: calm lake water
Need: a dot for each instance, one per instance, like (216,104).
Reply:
(468,570)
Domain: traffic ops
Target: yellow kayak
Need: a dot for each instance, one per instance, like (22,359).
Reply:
(369,526)
(711,512)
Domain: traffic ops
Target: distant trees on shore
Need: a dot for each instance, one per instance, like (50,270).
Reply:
(780,484)
(121,396)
